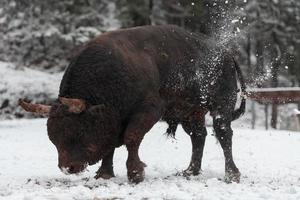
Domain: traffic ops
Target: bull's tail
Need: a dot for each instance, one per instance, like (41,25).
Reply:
(241,110)
(172,128)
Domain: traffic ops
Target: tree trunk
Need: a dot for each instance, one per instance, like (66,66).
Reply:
(274,84)
(249,71)
(248,50)
(297,70)
(275,73)
(259,72)
(150,12)
(299,104)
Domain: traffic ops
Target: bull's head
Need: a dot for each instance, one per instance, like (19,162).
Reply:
(82,134)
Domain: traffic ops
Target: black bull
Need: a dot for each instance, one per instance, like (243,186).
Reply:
(123,82)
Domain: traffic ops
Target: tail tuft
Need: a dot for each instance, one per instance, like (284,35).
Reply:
(241,110)
(171,131)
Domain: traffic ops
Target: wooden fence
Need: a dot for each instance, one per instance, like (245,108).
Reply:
(273,96)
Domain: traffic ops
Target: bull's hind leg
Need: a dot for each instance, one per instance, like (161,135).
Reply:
(224,134)
(197,131)
(139,124)
(106,170)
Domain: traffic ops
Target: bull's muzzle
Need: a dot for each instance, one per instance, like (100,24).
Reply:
(73,168)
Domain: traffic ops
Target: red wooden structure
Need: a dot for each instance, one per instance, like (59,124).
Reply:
(274,95)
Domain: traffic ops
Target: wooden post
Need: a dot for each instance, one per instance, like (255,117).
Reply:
(253,112)
(267,117)
(298,116)
(274,116)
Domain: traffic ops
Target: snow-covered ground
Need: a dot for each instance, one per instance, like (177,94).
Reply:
(269,162)
(33,85)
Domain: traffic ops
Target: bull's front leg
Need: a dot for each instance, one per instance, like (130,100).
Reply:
(135,167)
(106,170)
(138,126)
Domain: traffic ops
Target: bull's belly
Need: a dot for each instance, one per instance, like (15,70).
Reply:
(183,110)
(183,100)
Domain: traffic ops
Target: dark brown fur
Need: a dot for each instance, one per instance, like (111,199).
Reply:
(132,78)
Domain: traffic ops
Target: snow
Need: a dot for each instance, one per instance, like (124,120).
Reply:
(25,83)
(268,160)
(111,22)
(296,112)
(27,79)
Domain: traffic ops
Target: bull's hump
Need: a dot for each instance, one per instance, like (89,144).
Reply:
(140,33)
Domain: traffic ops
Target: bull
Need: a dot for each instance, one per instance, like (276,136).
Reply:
(123,82)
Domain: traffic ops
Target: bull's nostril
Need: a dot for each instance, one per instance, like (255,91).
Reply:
(65,170)
(71,169)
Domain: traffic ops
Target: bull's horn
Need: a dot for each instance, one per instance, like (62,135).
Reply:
(34,108)
(75,105)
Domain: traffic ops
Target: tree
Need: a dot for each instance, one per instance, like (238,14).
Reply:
(135,12)
(51,31)
(275,27)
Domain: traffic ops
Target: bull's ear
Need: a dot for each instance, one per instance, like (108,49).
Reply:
(75,105)
(34,108)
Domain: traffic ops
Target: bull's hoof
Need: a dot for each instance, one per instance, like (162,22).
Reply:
(105,174)
(136,173)
(188,172)
(232,177)
(136,176)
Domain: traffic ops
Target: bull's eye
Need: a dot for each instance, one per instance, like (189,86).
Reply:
(92,148)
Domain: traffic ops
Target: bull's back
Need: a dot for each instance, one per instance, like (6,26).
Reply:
(161,46)
(124,67)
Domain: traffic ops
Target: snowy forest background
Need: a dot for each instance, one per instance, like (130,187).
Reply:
(38,39)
